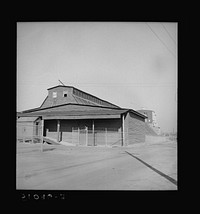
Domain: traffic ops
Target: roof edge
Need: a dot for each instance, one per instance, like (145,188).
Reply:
(28,114)
(65,86)
(30,110)
(43,101)
(38,109)
(138,113)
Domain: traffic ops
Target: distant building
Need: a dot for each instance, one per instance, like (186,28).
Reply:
(71,115)
(151,119)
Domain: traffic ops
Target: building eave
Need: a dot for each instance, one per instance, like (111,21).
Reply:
(137,113)
(51,107)
(105,112)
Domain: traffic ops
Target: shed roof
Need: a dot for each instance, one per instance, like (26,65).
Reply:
(93,112)
(76,113)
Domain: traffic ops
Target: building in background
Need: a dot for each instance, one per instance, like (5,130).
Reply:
(69,115)
(151,120)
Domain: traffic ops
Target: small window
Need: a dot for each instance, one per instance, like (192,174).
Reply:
(64,93)
(54,94)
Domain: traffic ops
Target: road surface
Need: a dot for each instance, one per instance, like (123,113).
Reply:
(59,167)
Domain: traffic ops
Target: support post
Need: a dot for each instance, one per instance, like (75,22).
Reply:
(42,131)
(123,131)
(93,132)
(24,130)
(72,134)
(47,132)
(78,136)
(86,135)
(127,137)
(106,136)
(58,130)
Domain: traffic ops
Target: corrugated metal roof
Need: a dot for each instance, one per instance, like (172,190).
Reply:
(27,119)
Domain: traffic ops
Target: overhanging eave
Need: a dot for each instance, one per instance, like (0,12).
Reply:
(79,117)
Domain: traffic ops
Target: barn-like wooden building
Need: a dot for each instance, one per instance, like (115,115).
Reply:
(76,117)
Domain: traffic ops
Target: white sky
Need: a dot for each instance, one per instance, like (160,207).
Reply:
(131,64)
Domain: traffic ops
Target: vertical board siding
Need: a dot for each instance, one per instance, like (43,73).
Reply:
(53,135)
(67,137)
(50,101)
(80,131)
(113,127)
(25,129)
(136,129)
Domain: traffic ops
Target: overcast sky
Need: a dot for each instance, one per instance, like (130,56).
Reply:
(130,64)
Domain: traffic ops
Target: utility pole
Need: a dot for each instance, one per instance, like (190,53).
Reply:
(86,135)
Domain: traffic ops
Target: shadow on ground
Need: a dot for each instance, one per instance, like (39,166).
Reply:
(154,169)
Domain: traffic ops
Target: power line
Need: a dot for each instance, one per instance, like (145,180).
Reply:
(168,33)
(166,84)
(130,84)
(160,39)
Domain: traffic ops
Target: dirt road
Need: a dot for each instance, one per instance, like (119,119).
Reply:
(141,167)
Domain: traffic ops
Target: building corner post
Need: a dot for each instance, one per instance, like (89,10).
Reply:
(123,130)
(93,132)
(58,130)
(42,133)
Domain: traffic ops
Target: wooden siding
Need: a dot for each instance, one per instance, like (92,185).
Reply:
(73,96)
(28,130)
(25,129)
(50,101)
(134,129)
(107,131)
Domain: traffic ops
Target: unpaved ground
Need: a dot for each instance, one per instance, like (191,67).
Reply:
(140,167)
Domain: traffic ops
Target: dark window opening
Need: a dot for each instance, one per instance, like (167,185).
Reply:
(64,93)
